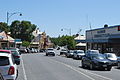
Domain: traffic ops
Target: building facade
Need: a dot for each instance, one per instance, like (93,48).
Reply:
(81,43)
(105,39)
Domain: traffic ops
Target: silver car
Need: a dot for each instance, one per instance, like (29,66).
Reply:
(50,51)
(70,53)
(118,58)
(78,54)
(112,57)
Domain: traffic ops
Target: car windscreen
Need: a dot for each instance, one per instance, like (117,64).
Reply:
(80,52)
(63,50)
(94,52)
(49,49)
(96,56)
(112,56)
(4,61)
(71,51)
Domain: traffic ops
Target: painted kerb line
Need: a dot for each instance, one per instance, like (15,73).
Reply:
(23,69)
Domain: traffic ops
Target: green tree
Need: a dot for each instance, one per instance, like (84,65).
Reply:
(4,27)
(25,43)
(64,41)
(22,30)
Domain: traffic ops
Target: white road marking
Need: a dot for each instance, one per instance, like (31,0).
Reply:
(74,69)
(25,77)
(96,74)
(104,78)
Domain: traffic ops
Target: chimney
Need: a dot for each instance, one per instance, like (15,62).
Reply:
(105,26)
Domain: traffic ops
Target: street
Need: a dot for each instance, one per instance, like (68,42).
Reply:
(41,67)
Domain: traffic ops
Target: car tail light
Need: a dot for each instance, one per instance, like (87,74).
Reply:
(11,70)
(17,56)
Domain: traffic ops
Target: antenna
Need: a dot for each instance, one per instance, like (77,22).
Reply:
(91,32)
(79,31)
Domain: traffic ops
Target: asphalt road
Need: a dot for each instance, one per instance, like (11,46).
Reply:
(41,67)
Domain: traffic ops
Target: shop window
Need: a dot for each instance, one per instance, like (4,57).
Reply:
(118,28)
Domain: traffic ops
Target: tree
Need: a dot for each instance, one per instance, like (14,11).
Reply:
(4,27)
(25,43)
(22,30)
(64,41)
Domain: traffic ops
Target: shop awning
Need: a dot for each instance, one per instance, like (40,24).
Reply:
(81,44)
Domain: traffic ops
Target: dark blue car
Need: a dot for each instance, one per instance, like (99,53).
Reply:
(98,61)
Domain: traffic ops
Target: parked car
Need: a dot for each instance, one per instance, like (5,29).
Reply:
(118,58)
(16,55)
(95,60)
(92,52)
(8,67)
(42,50)
(78,54)
(5,51)
(63,52)
(23,50)
(50,51)
(1,77)
(112,57)
(70,53)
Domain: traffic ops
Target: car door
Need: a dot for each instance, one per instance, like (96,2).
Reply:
(88,60)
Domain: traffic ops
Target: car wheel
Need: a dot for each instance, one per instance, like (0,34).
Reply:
(109,68)
(83,65)
(46,54)
(91,66)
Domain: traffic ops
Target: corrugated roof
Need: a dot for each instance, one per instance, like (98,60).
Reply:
(80,37)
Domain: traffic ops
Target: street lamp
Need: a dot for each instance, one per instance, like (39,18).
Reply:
(11,14)
(69,30)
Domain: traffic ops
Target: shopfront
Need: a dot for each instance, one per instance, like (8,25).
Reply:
(105,39)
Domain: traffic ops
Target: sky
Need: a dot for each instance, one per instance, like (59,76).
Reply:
(53,15)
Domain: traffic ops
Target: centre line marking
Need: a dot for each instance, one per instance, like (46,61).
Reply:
(74,69)
(83,71)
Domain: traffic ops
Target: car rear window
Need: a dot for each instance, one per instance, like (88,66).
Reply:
(4,61)
(4,52)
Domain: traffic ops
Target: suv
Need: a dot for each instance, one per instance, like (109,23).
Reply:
(50,51)
(92,52)
(78,54)
(63,52)
(8,67)
(98,61)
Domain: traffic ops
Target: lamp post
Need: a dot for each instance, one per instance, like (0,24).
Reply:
(9,15)
(69,30)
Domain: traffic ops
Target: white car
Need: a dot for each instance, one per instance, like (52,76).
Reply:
(50,51)
(8,67)
(78,54)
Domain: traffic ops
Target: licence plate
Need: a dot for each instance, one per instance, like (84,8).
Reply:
(104,65)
